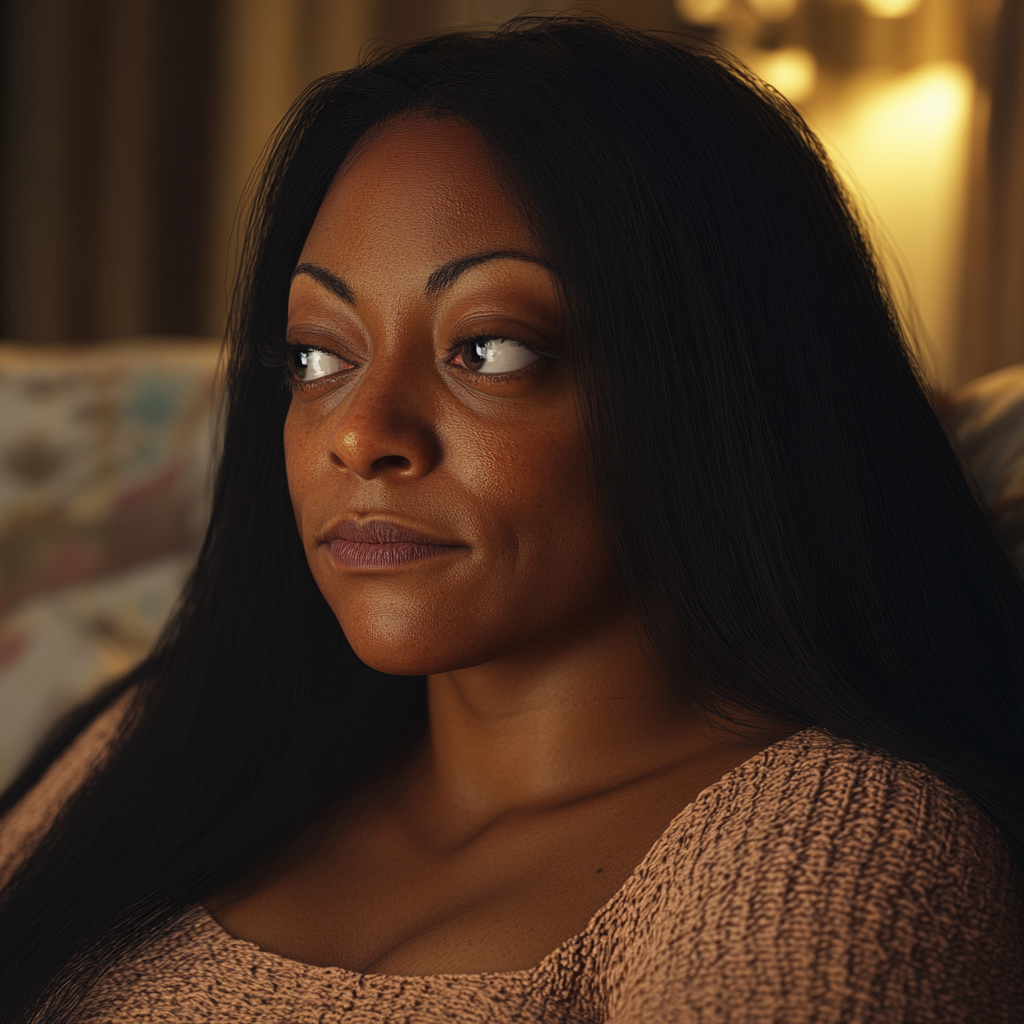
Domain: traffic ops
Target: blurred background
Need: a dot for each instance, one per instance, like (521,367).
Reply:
(130,127)
(128,131)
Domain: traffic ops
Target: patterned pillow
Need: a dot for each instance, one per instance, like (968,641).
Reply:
(105,458)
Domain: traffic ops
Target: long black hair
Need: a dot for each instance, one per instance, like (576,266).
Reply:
(793,530)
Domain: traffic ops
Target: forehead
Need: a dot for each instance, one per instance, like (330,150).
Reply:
(419,191)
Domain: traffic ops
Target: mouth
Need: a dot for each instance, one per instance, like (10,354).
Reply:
(382,544)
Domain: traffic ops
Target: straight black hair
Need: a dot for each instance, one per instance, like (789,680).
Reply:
(792,527)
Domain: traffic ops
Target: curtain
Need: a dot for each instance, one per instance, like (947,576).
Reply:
(105,160)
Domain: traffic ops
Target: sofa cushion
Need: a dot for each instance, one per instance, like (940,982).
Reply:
(105,457)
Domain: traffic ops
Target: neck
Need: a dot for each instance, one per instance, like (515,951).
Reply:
(550,727)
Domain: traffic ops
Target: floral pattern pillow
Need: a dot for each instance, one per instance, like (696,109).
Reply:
(105,457)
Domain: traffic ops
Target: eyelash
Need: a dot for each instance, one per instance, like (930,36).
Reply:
(457,346)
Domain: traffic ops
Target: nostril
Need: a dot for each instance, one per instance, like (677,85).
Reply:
(392,462)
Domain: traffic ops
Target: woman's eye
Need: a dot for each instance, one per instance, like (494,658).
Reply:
(309,364)
(495,355)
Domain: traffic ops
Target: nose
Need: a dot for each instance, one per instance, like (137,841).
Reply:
(387,425)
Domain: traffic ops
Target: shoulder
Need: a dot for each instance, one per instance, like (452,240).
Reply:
(27,822)
(827,881)
(816,803)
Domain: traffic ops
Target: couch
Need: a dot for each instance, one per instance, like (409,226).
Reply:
(106,455)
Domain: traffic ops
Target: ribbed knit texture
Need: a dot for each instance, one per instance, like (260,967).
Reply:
(820,881)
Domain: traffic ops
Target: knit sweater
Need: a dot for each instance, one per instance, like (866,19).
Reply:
(819,881)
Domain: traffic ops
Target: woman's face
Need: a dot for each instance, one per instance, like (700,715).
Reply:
(434,456)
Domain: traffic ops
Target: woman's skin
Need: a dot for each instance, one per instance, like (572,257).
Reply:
(554,758)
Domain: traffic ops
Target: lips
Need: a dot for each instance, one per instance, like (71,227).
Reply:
(382,544)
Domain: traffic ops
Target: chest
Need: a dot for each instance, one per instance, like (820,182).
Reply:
(380,901)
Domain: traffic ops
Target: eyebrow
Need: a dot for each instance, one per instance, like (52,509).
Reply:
(441,279)
(445,276)
(330,281)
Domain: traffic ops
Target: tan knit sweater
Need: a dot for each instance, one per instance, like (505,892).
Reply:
(819,881)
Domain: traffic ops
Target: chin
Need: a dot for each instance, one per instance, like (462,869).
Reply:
(393,660)
(409,645)
(402,646)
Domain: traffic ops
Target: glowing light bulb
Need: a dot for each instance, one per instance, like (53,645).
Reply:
(701,12)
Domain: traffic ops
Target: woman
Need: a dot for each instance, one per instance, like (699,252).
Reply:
(678,670)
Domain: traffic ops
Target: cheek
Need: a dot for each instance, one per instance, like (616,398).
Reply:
(539,484)
(300,463)
(547,550)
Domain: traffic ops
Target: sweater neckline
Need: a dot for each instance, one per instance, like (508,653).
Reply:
(223,938)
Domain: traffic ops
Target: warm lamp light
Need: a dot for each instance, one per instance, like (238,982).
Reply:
(701,12)
(891,8)
(902,141)
(792,70)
